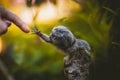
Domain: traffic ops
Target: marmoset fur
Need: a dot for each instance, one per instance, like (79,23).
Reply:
(76,64)
(63,38)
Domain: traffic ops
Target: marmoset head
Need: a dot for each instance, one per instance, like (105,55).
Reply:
(62,37)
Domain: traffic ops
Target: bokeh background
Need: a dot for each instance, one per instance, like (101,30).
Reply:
(27,57)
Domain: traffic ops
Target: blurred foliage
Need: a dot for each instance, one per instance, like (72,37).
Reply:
(5,3)
(37,60)
(37,2)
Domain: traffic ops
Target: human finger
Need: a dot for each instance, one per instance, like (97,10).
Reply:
(14,18)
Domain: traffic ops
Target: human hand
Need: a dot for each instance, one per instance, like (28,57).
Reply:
(6,17)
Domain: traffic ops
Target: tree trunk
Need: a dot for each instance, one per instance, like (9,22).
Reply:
(78,69)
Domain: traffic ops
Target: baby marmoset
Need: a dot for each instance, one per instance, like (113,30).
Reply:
(65,40)
(78,60)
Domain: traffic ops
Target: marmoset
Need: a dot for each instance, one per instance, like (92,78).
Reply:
(63,38)
(77,49)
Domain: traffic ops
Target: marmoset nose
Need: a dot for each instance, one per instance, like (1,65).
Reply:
(61,35)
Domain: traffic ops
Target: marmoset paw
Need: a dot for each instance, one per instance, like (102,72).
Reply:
(35,30)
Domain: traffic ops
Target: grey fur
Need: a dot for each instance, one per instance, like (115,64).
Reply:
(63,38)
(76,64)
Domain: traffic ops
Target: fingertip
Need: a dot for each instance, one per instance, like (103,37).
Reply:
(26,29)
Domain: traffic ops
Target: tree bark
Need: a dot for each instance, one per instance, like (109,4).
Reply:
(78,69)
